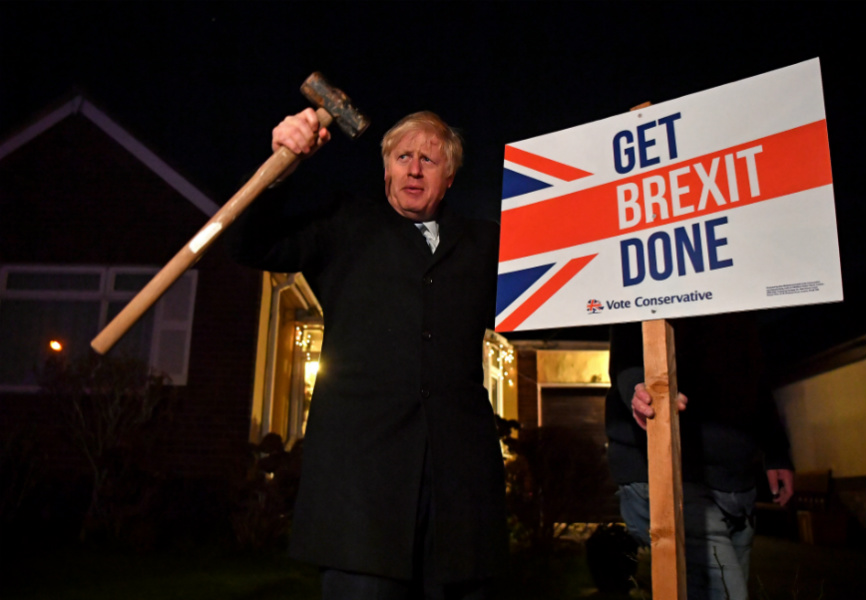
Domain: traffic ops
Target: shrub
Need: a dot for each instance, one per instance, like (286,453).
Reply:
(113,407)
(265,498)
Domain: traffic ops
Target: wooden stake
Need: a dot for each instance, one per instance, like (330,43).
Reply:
(667,532)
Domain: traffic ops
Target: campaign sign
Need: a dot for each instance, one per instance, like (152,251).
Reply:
(716,202)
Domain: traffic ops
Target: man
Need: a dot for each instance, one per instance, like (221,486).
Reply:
(731,419)
(402,492)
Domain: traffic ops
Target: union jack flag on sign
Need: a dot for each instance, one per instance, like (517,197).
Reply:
(594,306)
(529,175)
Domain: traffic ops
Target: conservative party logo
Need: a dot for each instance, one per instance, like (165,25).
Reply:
(594,307)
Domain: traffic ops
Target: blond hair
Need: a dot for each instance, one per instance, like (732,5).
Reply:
(452,143)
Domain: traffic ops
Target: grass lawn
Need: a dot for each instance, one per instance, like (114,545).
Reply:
(780,569)
(86,574)
(81,573)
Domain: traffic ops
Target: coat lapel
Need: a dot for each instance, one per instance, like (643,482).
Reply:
(451,228)
(406,229)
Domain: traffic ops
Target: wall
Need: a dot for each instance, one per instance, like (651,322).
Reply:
(826,419)
(825,415)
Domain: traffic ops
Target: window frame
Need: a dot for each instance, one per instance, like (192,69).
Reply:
(106,295)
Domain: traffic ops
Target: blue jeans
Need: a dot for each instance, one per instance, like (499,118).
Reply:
(719,528)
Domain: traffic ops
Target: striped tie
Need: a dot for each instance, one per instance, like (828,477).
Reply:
(432,240)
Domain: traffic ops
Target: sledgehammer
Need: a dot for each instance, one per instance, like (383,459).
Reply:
(332,105)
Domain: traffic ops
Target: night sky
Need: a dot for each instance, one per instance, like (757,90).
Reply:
(203,83)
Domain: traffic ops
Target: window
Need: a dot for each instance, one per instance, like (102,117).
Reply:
(69,305)
(499,374)
(308,347)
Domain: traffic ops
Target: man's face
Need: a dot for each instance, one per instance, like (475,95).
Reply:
(416,175)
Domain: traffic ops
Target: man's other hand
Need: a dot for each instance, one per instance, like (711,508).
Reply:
(781,485)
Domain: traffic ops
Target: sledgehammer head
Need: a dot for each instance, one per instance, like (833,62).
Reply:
(322,94)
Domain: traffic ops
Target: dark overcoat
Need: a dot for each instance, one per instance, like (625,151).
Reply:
(400,375)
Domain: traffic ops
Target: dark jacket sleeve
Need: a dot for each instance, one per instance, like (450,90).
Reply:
(626,359)
(626,371)
(271,235)
(772,438)
(627,448)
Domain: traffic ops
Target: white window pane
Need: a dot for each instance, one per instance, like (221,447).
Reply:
(172,330)
(172,353)
(27,327)
(131,282)
(177,305)
(135,342)
(35,280)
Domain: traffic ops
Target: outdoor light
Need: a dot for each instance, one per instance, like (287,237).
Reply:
(55,345)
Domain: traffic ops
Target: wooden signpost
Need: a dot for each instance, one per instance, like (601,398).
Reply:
(716,202)
(667,532)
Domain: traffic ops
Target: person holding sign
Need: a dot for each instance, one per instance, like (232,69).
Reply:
(728,421)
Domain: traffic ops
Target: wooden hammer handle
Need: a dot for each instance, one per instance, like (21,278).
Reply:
(267,174)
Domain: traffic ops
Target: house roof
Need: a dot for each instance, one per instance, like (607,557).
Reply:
(79,105)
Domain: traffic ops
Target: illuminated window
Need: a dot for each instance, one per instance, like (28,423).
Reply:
(308,346)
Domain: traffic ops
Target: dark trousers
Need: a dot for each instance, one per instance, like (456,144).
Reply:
(425,584)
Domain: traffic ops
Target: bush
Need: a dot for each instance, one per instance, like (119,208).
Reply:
(611,555)
(113,408)
(265,498)
(547,475)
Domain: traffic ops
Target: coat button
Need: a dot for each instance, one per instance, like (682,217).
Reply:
(425,391)
(426,335)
